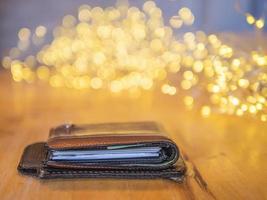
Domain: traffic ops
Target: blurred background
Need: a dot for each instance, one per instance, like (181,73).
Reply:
(210,15)
(209,54)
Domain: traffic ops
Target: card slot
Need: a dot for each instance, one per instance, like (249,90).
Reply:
(166,156)
(119,151)
(105,156)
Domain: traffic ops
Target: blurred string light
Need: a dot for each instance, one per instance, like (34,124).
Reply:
(258,23)
(125,48)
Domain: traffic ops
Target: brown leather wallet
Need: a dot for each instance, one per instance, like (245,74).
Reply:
(109,150)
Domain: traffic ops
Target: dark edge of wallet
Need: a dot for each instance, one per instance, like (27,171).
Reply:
(33,163)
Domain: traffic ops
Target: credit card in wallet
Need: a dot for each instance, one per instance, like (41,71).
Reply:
(76,155)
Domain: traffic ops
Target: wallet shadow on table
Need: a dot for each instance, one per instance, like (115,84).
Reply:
(137,150)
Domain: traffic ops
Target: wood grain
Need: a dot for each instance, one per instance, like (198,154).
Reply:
(226,156)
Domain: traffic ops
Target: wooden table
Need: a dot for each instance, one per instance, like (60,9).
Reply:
(226,156)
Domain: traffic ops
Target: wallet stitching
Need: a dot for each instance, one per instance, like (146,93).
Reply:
(63,146)
(110,174)
(114,172)
(111,167)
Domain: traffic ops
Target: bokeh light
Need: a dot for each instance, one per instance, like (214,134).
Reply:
(126,48)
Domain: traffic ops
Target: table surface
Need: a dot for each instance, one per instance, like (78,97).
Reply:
(226,156)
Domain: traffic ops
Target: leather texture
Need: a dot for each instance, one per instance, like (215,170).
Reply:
(71,136)
(36,161)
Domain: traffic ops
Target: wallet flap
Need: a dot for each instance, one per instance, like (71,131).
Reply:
(72,130)
(70,136)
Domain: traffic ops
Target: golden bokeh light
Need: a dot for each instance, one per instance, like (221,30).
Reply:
(24,34)
(126,48)
(40,31)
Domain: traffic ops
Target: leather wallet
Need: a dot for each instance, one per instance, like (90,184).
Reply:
(108,150)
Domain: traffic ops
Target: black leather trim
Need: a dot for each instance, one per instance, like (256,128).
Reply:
(32,159)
